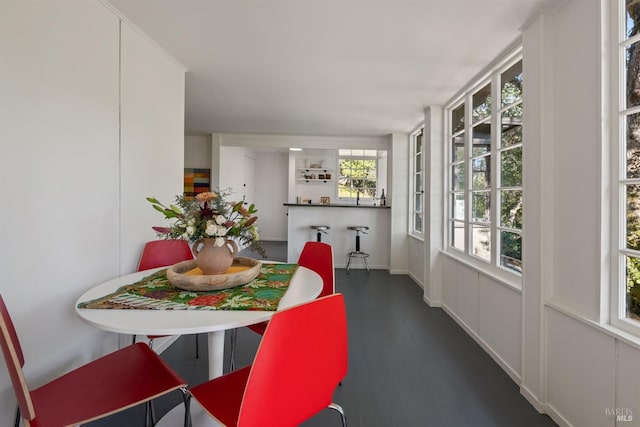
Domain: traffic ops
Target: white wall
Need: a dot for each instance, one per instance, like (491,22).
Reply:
(197,151)
(228,148)
(151,143)
(271,178)
(60,177)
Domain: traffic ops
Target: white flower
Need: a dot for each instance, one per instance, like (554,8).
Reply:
(190,230)
(220,219)
(219,241)
(212,229)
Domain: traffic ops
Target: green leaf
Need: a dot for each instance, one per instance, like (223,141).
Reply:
(170,214)
(152,200)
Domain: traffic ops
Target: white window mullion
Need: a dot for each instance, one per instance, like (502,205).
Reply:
(482,149)
(620,215)
(468,141)
(495,165)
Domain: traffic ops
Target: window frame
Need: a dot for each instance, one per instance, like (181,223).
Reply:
(375,158)
(463,220)
(416,174)
(619,113)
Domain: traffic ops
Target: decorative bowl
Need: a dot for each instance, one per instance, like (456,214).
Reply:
(186,275)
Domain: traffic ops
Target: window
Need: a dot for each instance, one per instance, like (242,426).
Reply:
(484,197)
(625,299)
(358,174)
(417,184)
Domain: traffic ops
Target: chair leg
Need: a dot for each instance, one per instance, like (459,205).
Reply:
(148,416)
(197,348)
(186,397)
(338,408)
(234,339)
(16,423)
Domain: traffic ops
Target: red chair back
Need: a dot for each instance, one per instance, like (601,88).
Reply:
(161,253)
(318,256)
(15,361)
(299,363)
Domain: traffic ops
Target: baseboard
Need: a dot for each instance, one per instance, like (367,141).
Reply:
(515,376)
(398,272)
(433,304)
(415,279)
(557,417)
(533,400)
(544,408)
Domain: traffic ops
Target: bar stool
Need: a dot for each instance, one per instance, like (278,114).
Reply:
(358,253)
(321,229)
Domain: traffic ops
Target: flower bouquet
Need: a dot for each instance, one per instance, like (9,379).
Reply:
(211,216)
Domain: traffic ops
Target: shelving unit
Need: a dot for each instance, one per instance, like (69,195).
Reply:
(315,175)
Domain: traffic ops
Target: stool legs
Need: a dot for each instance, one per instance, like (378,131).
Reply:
(358,254)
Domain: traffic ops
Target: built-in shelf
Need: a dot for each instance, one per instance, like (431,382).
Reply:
(315,175)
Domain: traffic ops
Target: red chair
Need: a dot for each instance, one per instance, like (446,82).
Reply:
(300,361)
(316,256)
(110,384)
(161,253)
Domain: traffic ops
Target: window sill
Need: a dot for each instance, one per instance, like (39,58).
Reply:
(418,237)
(510,280)
(606,328)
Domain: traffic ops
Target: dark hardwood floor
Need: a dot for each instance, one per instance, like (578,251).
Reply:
(409,365)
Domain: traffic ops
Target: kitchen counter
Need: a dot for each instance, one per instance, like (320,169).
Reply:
(301,216)
(335,205)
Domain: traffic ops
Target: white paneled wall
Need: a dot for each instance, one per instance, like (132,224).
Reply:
(628,381)
(60,171)
(581,365)
(466,284)
(416,260)
(553,337)
(488,310)
(152,140)
(500,322)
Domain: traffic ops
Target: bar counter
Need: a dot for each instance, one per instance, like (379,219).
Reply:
(336,205)
(301,216)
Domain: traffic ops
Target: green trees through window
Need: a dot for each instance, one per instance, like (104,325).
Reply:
(485,138)
(358,173)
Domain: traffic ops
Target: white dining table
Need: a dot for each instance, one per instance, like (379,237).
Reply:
(305,285)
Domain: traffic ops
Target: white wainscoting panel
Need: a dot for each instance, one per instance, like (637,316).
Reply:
(449,279)
(500,322)
(580,371)
(467,296)
(628,384)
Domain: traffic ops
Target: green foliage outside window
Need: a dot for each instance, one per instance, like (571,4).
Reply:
(357,175)
(633,164)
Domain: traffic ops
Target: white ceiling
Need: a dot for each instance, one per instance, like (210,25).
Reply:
(326,67)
